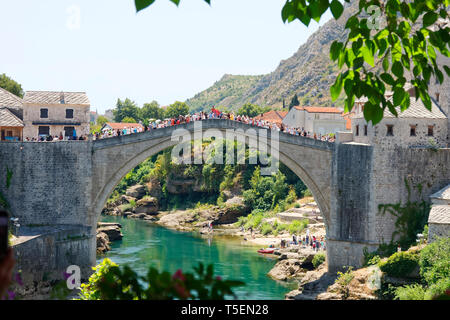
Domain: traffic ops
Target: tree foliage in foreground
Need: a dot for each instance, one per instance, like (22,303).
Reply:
(394,33)
(111,282)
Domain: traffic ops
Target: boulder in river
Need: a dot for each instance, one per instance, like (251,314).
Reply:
(102,242)
(113,232)
(148,205)
(154,188)
(124,199)
(287,269)
(136,191)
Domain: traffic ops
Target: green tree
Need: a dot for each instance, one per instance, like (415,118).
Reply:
(151,110)
(395,34)
(250,110)
(294,102)
(176,109)
(10,85)
(125,109)
(101,120)
(129,120)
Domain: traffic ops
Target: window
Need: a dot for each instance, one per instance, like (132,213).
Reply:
(390,130)
(44,113)
(365,129)
(44,130)
(9,133)
(412,131)
(69,113)
(68,131)
(437,97)
(357,130)
(430,131)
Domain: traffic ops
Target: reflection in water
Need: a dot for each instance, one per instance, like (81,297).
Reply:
(145,244)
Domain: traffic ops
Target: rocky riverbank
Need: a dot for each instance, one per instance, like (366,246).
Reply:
(106,233)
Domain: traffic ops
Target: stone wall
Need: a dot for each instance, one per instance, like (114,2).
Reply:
(50,181)
(364,177)
(45,255)
(352,165)
(351,216)
(423,168)
(441,92)
(436,231)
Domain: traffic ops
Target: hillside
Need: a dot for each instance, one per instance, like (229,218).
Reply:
(309,73)
(226,92)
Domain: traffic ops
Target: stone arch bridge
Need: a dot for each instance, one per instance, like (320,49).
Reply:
(58,190)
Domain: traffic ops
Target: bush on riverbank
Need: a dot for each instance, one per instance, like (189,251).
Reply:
(256,221)
(434,263)
(318,259)
(400,264)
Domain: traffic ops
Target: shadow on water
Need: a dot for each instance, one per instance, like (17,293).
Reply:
(145,244)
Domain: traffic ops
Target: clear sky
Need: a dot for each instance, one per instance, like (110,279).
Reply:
(163,53)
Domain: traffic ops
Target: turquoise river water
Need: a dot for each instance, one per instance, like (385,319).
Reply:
(146,244)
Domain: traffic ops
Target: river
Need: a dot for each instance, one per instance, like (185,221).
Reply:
(145,244)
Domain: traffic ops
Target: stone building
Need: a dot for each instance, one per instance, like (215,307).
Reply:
(54,113)
(321,120)
(11,111)
(441,92)
(439,218)
(414,127)
(273,116)
(120,126)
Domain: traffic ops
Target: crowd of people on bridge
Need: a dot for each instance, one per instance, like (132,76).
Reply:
(214,114)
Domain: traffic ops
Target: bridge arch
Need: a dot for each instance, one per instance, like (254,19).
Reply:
(113,158)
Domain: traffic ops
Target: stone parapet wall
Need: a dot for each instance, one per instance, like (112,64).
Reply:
(50,182)
(46,255)
(423,168)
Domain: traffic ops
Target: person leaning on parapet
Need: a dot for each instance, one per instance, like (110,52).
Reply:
(6,268)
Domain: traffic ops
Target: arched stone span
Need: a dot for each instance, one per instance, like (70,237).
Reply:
(113,158)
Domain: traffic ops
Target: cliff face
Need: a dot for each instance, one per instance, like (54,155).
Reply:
(309,73)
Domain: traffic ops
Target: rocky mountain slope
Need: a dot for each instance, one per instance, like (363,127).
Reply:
(309,73)
(226,92)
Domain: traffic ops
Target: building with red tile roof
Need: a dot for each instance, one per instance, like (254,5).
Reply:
(273,116)
(320,120)
(121,126)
